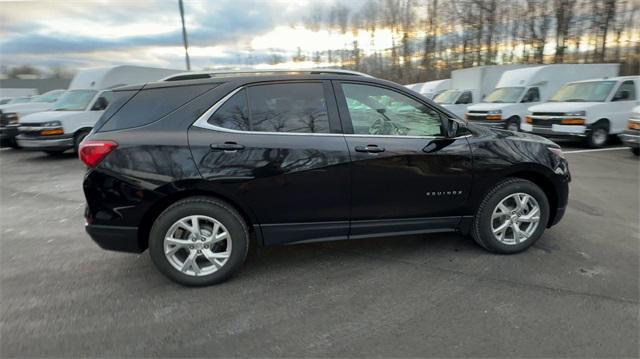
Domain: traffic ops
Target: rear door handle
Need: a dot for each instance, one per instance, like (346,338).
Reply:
(227,147)
(370,149)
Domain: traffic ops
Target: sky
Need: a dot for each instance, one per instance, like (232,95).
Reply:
(87,33)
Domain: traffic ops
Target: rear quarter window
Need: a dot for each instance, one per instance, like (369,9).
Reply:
(150,105)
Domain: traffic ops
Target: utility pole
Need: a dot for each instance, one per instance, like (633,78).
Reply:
(184,37)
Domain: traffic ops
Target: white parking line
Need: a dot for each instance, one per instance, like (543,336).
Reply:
(598,150)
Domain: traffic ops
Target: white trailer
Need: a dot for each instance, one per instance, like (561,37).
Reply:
(471,85)
(519,89)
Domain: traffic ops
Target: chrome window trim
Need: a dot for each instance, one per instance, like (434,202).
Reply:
(202,122)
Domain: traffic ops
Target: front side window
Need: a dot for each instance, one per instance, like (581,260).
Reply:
(626,92)
(379,111)
(465,98)
(532,95)
(74,100)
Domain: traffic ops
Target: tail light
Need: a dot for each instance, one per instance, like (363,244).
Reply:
(92,152)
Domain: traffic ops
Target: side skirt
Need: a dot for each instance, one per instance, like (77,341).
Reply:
(283,233)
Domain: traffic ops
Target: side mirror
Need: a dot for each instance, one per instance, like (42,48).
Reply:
(623,95)
(452,128)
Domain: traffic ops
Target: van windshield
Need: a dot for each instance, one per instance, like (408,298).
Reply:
(51,96)
(594,91)
(74,100)
(447,97)
(505,95)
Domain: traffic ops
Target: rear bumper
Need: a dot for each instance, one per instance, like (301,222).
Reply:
(630,139)
(121,239)
(43,144)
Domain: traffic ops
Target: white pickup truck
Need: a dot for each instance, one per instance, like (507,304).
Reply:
(589,109)
(75,113)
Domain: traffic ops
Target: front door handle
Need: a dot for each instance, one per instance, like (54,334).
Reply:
(370,149)
(227,147)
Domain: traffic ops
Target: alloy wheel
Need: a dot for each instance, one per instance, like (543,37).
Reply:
(197,245)
(515,218)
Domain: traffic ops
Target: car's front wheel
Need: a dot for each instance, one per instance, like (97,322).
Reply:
(511,217)
(199,241)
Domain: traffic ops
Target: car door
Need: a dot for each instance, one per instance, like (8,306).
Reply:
(406,176)
(278,149)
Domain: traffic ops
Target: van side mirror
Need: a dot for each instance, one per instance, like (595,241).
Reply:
(101,104)
(623,95)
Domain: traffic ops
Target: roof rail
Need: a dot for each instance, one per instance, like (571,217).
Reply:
(195,75)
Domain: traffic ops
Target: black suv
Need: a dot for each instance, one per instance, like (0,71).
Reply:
(194,169)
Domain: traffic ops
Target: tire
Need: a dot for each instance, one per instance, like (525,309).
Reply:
(229,220)
(483,224)
(78,139)
(635,151)
(14,144)
(513,124)
(598,135)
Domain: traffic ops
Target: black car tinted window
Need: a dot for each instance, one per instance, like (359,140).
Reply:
(152,104)
(233,114)
(118,98)
(379,111)
(289,107)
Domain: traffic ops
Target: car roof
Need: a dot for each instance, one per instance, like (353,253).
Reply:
(617,78)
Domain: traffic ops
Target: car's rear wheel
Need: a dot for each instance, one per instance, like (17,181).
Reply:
(635,150)
(199,241)
(512,217)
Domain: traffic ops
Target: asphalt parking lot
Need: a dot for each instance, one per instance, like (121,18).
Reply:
(575,293)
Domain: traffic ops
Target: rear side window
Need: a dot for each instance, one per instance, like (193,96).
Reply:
(150,105)
(233,114)
(288,107)
(118,98)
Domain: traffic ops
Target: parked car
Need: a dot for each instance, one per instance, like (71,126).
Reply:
(11,113)
(72,117)
(431,89)
(590,110)
(192,170)
(471,85)
(631,136)
(519,89)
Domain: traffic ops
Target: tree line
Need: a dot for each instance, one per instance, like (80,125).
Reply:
(430,38)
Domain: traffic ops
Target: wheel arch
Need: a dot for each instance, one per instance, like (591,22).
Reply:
(159,206)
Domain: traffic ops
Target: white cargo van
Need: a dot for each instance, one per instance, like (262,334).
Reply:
(519,89)
(469,86)
(431,89)
(589,109)
(12,112)
(72,117)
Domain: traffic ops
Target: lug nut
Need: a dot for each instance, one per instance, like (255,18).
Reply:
(206,246)
(191,247)
(199,251)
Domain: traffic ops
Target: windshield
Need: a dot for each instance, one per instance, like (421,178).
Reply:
(505,94)
(51,96)
(596,91)
(447,97)
(74,100)
(19,100)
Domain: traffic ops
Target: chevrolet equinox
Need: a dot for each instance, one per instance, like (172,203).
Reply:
(194,169)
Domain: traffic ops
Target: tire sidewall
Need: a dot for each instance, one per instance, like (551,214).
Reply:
(78,139)
(590,138)
(513,121)
(483,219)
(226,216)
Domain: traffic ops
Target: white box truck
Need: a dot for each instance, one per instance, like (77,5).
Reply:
(589,109)
(72,117)
(430,89)
(506,106)
(471,85)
